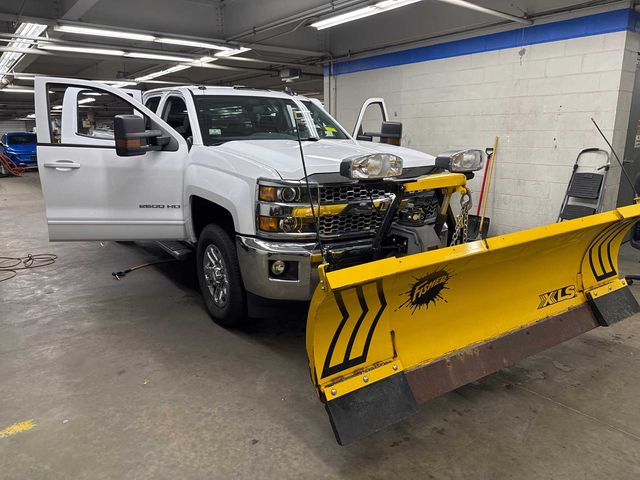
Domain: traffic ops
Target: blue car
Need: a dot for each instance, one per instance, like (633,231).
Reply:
(20,147)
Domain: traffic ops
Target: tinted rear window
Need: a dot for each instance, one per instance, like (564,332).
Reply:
(21,139)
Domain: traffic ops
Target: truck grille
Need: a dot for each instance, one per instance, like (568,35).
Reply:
(346,193)
(362,223)
(432,209)
(353,221)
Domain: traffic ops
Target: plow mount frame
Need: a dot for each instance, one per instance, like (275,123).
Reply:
(385,336)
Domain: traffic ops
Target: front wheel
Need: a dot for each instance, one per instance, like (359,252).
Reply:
(219,277)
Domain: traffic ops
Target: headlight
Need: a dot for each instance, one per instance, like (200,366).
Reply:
(461,161)
(283,209)
(374,166)
(270,193)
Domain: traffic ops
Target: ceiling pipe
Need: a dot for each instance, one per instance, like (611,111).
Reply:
(488,11)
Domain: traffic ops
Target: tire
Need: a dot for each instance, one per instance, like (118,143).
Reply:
(3,171)
(219,277)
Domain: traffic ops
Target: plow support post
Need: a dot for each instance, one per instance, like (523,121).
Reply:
(385,336)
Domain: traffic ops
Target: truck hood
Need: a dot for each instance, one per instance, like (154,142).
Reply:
(322,156)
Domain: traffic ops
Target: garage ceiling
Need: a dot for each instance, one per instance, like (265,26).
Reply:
(277,33)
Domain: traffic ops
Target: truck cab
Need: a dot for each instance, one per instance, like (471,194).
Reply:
(251,180)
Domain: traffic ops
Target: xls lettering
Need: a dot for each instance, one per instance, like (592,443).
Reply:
(555,296)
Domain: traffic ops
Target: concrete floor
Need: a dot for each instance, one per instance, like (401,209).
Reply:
(130,379)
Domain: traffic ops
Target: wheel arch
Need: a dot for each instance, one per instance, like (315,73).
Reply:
(205,211)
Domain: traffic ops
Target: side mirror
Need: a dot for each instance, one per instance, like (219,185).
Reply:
(391,133)
(132,138)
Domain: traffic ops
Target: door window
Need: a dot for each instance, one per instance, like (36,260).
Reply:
(96,112)
(85,116)
(152,103)
(175,114)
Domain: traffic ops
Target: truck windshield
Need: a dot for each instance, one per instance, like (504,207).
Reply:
(226,118)
(325,126)
(21,139)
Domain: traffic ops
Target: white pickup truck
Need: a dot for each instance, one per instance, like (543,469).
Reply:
(220,170)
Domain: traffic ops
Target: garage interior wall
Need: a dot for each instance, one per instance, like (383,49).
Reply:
(14,126)
(538,97)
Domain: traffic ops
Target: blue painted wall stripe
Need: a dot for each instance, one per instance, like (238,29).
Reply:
(597,24)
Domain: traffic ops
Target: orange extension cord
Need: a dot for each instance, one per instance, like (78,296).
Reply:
(11,167)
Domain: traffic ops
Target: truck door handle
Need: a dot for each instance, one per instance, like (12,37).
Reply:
(62,165)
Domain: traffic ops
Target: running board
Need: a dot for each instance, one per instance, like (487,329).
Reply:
(178,250)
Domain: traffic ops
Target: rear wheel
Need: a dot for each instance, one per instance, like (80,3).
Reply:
(219,277)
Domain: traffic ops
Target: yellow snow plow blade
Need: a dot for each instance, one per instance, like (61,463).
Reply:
(385,336)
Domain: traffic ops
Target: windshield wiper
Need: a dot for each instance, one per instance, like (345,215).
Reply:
(309,139)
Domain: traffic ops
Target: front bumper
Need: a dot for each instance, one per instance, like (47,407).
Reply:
(24,160)
(255,256)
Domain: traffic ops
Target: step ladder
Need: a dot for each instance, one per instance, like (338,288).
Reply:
(587,184)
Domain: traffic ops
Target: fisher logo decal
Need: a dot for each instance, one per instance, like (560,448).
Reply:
(426,290)
(556,296)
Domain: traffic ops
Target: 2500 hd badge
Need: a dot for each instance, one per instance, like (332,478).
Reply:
(160,205)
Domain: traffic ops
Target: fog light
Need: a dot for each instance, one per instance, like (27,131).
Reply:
(289,224)
(278,267)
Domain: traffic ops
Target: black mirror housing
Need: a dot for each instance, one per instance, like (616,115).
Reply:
(391,133)
(132,136)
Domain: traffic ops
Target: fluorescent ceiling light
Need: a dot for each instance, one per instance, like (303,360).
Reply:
(160,73)
(176,68)
(359,13)
(119,83)
(190,43)
(99,32)
(488,11)
(31,115)
(17,90)
(8,60)
(57,107)
(95,51)
(155,56)
(28,78)
(235,51)
(86,100)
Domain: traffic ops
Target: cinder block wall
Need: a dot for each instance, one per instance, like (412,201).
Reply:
(539,99)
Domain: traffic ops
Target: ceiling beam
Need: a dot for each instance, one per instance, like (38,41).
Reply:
(78,9)
(332,7)
(488,11)
(256,45)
